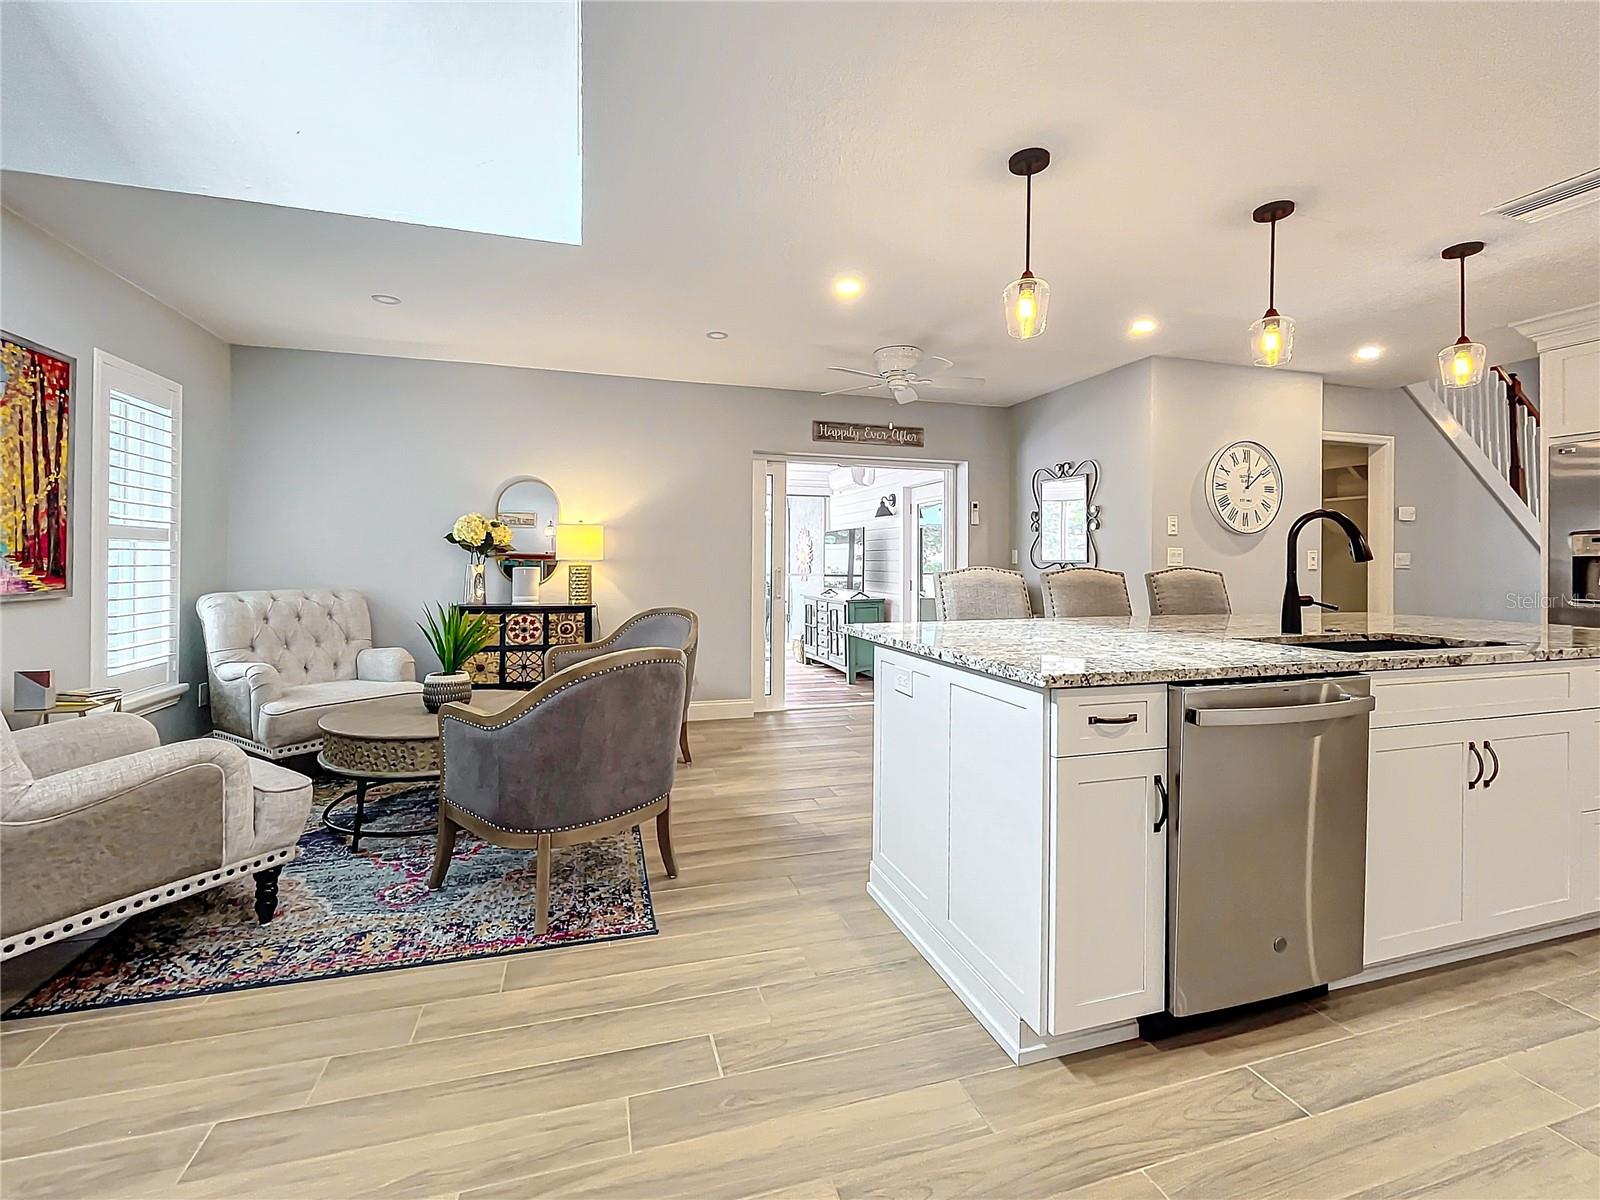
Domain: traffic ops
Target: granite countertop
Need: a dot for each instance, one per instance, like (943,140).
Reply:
(1103,651)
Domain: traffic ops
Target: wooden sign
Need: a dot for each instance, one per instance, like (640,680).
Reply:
(858,434)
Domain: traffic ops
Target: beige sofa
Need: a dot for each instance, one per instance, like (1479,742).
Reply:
(99,821)
(280,660)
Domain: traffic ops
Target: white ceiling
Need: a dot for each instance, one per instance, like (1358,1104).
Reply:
(375,110)
(737,156)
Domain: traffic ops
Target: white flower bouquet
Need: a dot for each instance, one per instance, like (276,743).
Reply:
(479,536)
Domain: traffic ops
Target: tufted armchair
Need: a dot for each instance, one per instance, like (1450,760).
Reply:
(279,661)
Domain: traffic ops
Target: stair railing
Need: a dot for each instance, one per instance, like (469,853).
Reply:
(1522,438)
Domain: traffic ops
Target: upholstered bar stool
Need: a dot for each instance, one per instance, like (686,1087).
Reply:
(1187,592)
(1085,592)
(981,594)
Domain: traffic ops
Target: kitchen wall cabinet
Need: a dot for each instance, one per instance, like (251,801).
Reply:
(1109,900)
(1475,829)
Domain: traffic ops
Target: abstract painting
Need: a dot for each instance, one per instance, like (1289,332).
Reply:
(36,433)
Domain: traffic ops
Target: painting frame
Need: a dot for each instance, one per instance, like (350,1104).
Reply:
(64,485)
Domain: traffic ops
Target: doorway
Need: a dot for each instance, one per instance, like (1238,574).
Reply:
(840,541)
(1358,481)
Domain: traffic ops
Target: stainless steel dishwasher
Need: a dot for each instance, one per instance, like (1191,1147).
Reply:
(1266,886)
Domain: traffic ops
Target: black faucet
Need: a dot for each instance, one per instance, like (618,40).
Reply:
(1293,601)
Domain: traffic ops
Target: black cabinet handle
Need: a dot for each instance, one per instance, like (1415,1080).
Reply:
(1161,790)
(1472,748)
(1489,782)
(1127,720)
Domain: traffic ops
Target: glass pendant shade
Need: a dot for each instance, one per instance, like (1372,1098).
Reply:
(1027,303)
(1461,365)
(1272,340)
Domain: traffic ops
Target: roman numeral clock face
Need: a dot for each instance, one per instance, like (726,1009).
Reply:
(1246,489)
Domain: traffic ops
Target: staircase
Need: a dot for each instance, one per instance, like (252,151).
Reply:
(1494,427)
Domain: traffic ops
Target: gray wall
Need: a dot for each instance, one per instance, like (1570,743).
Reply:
(1107,418)
(1201,407)
(349,469)
(1467,554)
(52,295)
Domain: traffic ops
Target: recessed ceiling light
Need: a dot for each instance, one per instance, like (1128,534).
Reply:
(383,298)
(848,288)
(1142,327)
(1370,353)
(716,335)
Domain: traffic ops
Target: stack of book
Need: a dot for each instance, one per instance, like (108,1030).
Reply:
(71,699)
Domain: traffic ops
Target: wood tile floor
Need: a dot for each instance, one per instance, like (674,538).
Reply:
(780,1039)
(811,685)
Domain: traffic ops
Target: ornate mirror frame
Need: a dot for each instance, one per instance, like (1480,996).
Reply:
(542,555)
(1089,469)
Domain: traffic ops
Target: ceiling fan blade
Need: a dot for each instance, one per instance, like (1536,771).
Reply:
(937,361)
(957,382)
(850,391)
(853,371)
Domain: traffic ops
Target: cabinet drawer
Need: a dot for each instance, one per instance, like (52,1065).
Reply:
(1453,694)
(1104,720)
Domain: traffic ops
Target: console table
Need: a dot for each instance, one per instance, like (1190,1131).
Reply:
(823,635)
(522,633)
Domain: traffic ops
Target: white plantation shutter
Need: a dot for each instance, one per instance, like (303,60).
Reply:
(136,510)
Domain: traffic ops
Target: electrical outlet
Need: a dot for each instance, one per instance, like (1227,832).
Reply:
(1405,513)
(1172,526)
(1402,560)
(202,694)
(1014,558)
(1313,559)
(1174,556)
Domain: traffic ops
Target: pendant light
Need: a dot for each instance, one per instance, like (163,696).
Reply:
(1461,362)
(1027,300)
(1272,337)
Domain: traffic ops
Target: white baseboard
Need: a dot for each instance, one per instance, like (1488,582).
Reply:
(1014,1034)
(721,710)
(1454,954)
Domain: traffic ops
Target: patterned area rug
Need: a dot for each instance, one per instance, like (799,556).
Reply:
(344,914)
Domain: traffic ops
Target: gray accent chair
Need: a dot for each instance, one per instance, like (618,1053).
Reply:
(278,661)
(1187,592)
(981,594)
(1085,592)
(675,627)
(99,821)
(588,753)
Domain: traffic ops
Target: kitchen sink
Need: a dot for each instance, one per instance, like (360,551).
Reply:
(1363,644)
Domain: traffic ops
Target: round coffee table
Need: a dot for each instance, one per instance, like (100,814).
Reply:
(392,740)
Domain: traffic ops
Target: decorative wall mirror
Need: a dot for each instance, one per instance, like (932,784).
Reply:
(1065,515)
(528,504)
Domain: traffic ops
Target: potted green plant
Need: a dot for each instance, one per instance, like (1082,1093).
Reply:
(454,636)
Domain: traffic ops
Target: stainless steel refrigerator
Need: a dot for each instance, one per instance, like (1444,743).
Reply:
(1574,506)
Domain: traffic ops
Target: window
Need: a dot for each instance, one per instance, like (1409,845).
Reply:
(137,436)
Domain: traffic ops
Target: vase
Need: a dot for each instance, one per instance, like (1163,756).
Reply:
(477,587)
(438,688)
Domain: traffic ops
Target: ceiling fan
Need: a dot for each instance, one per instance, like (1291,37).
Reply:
(896,370)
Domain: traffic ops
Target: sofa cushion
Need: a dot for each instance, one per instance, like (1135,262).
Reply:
(282,800)
(293,716)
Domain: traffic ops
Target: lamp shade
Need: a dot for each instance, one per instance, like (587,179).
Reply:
(581,543)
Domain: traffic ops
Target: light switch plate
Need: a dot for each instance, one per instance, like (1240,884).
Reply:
(1406,513)
(1172,526)
(975,517)
(1402,559)
(1013,558)
(1174,556)
(1313,559)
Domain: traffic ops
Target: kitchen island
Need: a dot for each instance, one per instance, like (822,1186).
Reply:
(1021,771)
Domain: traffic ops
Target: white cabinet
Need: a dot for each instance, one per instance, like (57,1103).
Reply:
(1474,829)
(1589,862)
(1569,390)
(1108,960)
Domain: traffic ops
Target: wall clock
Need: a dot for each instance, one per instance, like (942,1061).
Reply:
(1245,487)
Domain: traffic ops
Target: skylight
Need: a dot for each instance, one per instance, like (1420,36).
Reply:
(465,116)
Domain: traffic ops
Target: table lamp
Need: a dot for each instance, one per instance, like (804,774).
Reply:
(578,546)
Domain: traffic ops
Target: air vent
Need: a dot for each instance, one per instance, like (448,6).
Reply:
(1553,200)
